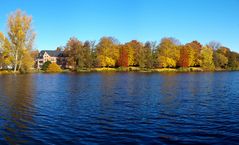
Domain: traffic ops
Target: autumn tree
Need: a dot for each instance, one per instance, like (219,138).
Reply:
(191,54)
(196,48)
(131,53)
(5,52)
(166,62)
(27,62)
(233,60)
(224,51)
(168,53)
(220,57)
(34,53)
(73,52)
(84,60)
(207,58)
(123,56)
(184,57)
(136,53)
(220,60)
(107,52)
(140,54)
(21,38)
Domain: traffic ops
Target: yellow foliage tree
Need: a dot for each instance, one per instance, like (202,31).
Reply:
(21,36)
(106,61)
(5,56)
(107,52)
(54,68)
(207,58)
(131,56)
(110,62)
(27,62)
(168,53)
(166,62)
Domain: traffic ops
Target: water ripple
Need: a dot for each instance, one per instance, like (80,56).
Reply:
(119,108)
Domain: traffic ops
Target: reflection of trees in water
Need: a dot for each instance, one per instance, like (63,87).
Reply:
(169,90)
(107,89)
(19,93)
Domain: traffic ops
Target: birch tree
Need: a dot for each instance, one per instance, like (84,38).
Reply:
(21,37)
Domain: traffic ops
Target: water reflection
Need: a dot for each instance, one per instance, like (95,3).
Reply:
(18,92)
(119,108)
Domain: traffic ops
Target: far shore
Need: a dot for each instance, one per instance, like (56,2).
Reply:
(129,69)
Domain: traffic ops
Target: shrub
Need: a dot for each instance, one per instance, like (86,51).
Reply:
(54,68)
(46,65)
(184,69)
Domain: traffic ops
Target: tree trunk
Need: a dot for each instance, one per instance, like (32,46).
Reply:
(20,64)
(16,60)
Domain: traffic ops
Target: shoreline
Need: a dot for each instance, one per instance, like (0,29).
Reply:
(129,69)
(159,70)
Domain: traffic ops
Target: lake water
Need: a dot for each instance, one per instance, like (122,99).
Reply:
(120,108)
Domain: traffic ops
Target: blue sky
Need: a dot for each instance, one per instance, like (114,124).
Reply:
(55,21)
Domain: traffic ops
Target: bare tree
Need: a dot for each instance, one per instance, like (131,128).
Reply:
(214,45)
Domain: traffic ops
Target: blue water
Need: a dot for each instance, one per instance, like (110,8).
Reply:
(120,108)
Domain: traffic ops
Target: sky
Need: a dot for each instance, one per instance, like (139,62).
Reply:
(55,21)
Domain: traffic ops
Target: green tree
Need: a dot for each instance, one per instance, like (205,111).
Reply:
(88,57)
(148,55)
(45,65)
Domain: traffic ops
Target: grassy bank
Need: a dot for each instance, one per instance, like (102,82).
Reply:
(129,69)
(4,72)
(137,69)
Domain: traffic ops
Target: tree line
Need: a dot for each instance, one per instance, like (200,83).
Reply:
(169,53)
(17,54)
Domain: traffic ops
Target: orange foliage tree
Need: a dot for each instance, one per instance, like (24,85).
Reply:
(184,57)
(123,57)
